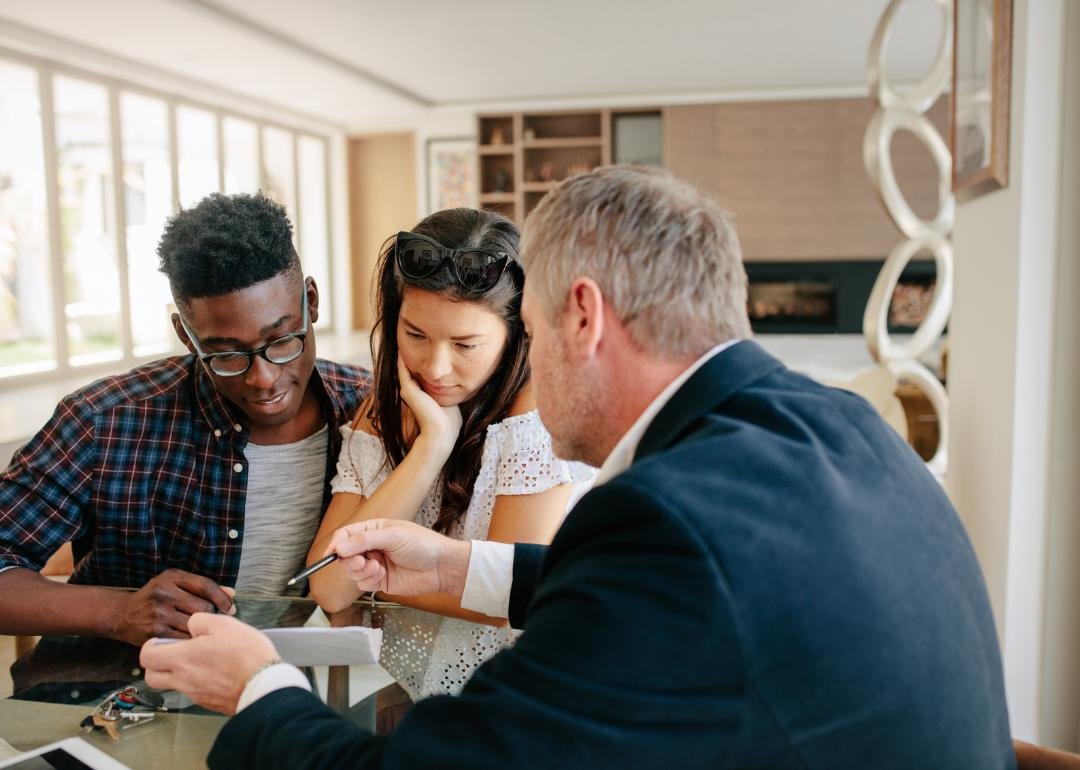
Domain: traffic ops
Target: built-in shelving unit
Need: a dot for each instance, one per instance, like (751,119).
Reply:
(498,154)
(522,155)
(560,144)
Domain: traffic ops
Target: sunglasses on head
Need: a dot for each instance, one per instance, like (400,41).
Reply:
(475,269)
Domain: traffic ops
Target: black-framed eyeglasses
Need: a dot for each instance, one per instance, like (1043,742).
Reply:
(476,269)
(232,363)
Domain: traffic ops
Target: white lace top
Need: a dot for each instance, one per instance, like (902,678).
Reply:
(427,654)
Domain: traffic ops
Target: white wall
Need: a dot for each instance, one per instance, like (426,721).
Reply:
(1059,703)
(439,123)
(1007,376)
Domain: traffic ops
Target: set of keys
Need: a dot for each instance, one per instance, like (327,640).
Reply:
(120,710)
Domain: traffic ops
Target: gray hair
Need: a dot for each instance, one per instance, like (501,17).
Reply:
(663,253)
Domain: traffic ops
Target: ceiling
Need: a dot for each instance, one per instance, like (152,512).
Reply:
(361,64)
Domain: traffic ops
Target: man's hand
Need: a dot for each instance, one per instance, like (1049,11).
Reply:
(401,557)
(214,666)
(162,606)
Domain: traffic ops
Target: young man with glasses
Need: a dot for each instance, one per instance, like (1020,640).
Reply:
(193,476)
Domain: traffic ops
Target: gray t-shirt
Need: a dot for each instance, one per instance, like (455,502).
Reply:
(281,514)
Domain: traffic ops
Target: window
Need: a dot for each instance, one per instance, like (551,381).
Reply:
(314,220)
(144,126)
(197,138)
(79,282)
(280,171)
(241,157)
(27,341)
(87,221)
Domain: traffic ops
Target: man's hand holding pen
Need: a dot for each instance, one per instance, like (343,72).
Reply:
(401,558)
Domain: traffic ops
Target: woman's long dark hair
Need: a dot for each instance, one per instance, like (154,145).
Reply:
(455,229)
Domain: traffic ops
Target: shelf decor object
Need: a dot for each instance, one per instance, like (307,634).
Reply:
(907,111)
(982,69)
(451,173)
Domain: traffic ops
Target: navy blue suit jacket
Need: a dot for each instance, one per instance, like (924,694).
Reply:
(776,582)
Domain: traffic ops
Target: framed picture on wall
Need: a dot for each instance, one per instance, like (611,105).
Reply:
(451,173)
(982,69)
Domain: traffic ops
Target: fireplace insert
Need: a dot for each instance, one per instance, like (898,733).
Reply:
(829,297)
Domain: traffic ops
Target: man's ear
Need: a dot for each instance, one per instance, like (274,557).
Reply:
(311,291)
(583,318)
(179,329)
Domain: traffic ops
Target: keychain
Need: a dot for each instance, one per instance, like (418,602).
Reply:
(121,709)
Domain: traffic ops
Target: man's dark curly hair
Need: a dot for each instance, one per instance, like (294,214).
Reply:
(224,244)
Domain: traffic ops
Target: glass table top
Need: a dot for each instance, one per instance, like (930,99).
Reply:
(61,679)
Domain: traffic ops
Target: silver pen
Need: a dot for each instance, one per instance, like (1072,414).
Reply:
(313,568)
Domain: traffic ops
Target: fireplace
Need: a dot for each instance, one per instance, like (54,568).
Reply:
(829,297)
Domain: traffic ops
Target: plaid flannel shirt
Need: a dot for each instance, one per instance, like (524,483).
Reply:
(146,471)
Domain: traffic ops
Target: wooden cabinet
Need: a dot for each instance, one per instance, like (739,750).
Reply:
(924,431)
(523,155)
(498,154)
(558,145)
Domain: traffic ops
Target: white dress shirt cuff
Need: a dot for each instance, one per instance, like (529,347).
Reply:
(276,677)
(487,584)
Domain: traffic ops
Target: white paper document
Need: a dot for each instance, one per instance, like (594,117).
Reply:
(314,646)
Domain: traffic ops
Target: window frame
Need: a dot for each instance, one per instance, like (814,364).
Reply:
(46,69)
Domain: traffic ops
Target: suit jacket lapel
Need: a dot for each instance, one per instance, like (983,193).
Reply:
(719,378)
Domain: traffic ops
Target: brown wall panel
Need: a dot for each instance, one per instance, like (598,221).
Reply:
(791,174)
(382,201)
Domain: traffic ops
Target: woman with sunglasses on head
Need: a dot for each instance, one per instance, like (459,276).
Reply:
(449,436)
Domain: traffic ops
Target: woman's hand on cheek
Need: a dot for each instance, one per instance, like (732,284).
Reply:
(438,424)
